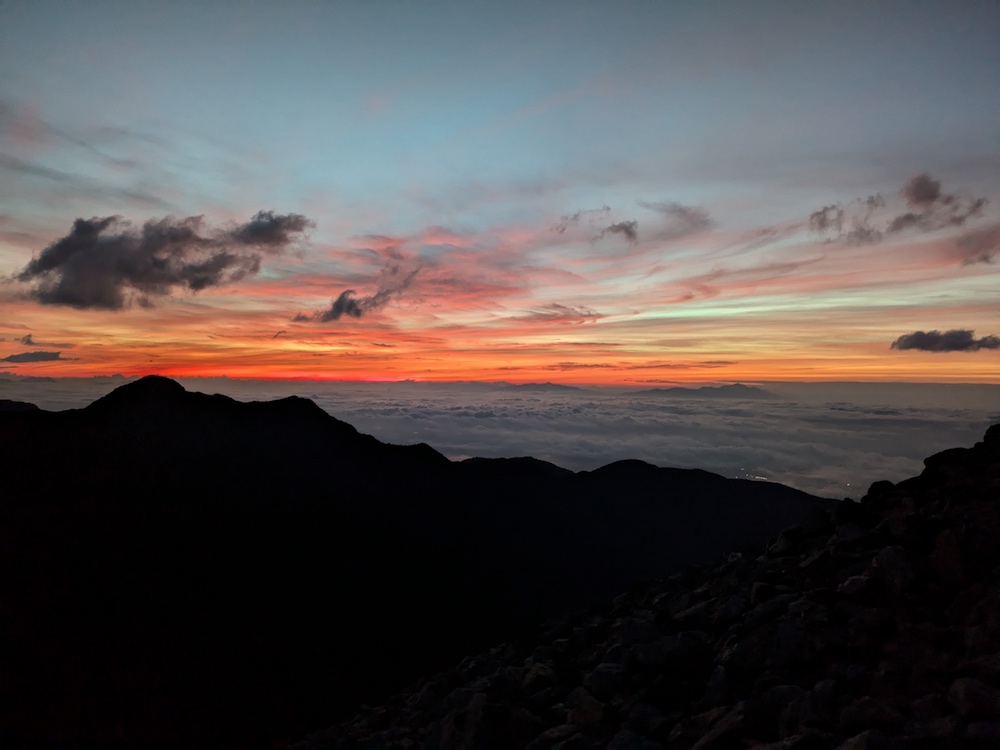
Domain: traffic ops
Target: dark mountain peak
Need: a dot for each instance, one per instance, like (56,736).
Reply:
(146,390)
(297,406)
(522,466)
(7,405)
(546,387)
(736,391)
(160,394)
(626,467)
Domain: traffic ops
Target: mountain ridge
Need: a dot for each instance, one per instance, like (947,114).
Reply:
(158,534)
(734,391)
(876,626)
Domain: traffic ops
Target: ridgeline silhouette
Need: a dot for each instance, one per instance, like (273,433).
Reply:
(875,627)
(185,569)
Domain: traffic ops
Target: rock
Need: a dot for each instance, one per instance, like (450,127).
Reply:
(551,737)
(606,680)
(985,733)
(809,740)
(523,726)
(787,645)
(648,721)
(732,610)
(638,629)
(539,676)
(930,706)
(584,709)
(924,730)
(974,699)
(459,729)
(761,592)
(816,560)
(868,713)
(870,739)
(987,665)
(723,731)
(716,690)
(695,616)
(853,585)
(894,568)
(788,541)
(823,694)
(946,560)
(626,739)
(764,712)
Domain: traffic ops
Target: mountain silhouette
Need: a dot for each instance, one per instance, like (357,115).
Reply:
(876,625)
(735,391)
(185,569)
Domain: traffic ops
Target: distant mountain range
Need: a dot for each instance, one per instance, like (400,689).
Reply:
(186,569)
(735,391)
(541,387)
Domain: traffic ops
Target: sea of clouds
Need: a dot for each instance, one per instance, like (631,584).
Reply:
(830,439)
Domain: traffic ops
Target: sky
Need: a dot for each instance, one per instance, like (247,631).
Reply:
(625,193)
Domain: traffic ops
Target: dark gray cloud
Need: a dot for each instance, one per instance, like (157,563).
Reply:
(930,209)
(862,232)
(104,263)
(827,219)
(859,217)
(627,229)
(921,191)
(592,215)
(863,235)
(347,304)
(267,229)
(980,245)
(681,220)
(958,340)
(395,277)
(33,357)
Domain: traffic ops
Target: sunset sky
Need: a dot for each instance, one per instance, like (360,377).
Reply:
(624,193)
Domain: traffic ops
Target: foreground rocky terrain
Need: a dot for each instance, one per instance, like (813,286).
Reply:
(181,569)
(876,625)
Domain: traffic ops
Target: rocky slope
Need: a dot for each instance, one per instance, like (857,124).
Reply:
(184,569)
(876,626)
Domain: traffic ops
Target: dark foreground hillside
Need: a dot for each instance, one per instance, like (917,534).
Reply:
(875,627)
(188,570)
